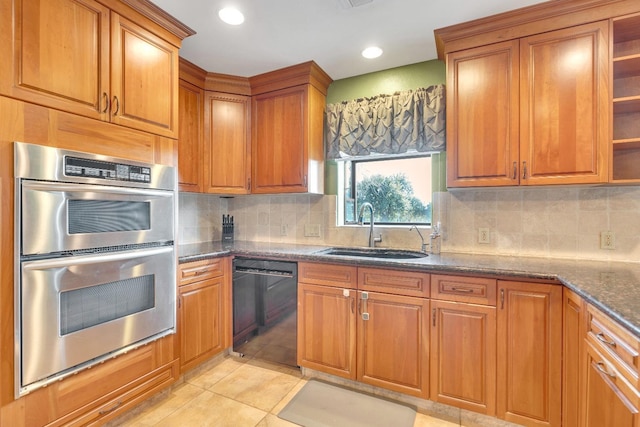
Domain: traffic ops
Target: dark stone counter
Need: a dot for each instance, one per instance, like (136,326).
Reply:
(613,287)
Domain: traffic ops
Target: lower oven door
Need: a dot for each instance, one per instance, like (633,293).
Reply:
(78,310)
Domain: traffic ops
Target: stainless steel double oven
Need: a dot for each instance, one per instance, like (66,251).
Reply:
(95,259)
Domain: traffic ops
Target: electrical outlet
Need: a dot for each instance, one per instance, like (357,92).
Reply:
(484,235)
(283,229)
(607,240)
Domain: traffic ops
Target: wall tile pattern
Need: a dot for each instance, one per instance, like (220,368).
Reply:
(559,222)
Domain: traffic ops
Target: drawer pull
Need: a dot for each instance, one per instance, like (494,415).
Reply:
(600,366)
(113,408)
(604,339)
(106,102)
(467,290)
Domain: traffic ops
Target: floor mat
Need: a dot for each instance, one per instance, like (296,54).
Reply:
(319,404)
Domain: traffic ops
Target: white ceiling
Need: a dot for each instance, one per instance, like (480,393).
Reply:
(280,33)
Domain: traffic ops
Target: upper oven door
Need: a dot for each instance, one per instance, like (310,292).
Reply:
(57,217)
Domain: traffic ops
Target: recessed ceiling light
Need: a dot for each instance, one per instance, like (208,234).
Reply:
(231,16)
(372,52)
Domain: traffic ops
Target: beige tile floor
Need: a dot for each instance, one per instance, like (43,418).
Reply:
(233,392)
(248,391)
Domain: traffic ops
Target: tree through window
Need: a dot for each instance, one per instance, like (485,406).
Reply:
(399,189)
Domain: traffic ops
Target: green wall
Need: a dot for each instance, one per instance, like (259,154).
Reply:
(414,76)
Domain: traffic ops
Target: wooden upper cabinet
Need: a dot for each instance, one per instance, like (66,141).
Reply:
(144,79)
(482,116)
(227,143)
(280,148)
(190,137)
(287,153)
(84,58)
(530,111)
(60,55)
(565,106)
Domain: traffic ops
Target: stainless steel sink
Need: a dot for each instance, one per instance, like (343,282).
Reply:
(372,253)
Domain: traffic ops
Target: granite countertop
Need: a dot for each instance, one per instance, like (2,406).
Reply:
(613,287)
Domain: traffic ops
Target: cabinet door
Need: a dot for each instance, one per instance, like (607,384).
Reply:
(280,149)
(529,325)
(609,400)
(57,54)
(482,116)
(565,106)
(191,116)
(227,147)
(393,343)
(144,79)
(327,329)
(202,321)
(573,325)
(463,355)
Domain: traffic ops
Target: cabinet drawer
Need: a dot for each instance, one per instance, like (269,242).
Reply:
(609,399)
(200,270)
(144,388)
(473,290)
(397,282)
(615,342)
(341,276)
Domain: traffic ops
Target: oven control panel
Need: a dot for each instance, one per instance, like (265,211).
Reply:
(89,168)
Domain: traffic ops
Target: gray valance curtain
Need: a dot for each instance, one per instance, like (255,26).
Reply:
(404,122)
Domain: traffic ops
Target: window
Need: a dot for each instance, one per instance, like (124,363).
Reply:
(398,188)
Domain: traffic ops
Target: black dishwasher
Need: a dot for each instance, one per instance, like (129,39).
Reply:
(264,295)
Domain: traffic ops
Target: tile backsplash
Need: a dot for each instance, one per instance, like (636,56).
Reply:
(562,222)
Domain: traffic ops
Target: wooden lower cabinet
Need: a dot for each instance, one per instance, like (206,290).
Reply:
(327,329)
(393,343)
(573,331)
(529,353)
(609,400)
(373,337)
(463,355)
(99,394)
(204,310)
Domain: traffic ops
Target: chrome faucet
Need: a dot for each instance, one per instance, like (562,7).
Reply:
(423,248)
(372,240)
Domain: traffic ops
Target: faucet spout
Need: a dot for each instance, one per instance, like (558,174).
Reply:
(372,240)
(423,248)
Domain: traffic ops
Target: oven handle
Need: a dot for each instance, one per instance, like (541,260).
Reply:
(93,258)
(93,188)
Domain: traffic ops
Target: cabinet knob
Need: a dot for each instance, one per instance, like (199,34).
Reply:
(524,170)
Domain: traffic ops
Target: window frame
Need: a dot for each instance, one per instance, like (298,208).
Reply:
(351,185)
